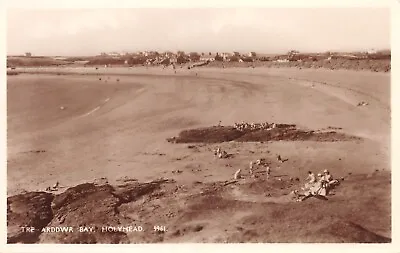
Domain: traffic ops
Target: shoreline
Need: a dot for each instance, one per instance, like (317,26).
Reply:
(167,71)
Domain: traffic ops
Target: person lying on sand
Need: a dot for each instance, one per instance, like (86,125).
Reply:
(317,189)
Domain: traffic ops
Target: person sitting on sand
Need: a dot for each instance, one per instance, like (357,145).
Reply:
(217,151)
(251,167)
(238,174)
(319,187)
(329,179)
(312,180)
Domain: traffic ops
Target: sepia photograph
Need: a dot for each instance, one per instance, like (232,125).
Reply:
(198,125)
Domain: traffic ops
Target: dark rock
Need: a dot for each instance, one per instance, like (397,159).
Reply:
(31,209)
(286,132)
(79,192)
(86,205)
(197,228)
(176,233)
(132,192)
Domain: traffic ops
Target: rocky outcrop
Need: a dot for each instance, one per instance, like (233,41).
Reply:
(89,206)
(257,132)
(25,211)
(81,214)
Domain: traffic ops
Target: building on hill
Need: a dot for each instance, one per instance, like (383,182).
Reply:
(59,58)
(251,54)
(282,60)
(207,58)
(237,54)
(247,59)
(180,53)
(168,54)
(218,57)
(166,61)
(194,56)
(234,58)
(223,56)
(114,54)
(28,54)
(181,59)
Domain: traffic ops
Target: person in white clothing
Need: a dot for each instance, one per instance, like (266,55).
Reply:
(311,180)
(268,172)
(237,174)
(329,179)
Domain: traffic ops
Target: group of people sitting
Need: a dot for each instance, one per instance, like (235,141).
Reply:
(220,153)
(318,185)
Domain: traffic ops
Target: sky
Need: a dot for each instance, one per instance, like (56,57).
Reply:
(75,32)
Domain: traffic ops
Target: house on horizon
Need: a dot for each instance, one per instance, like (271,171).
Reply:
(173,60)
(144,53)
(237,54)
(206,58)
(168,54)
(59,58)
(114,54)
(251,54)
(225,56)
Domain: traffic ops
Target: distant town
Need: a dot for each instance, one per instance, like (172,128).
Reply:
(329,59)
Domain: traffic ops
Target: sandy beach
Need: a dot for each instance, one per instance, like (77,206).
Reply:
(83,125)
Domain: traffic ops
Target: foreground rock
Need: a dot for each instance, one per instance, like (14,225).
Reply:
(81,214)
(28,210)
(86,206)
